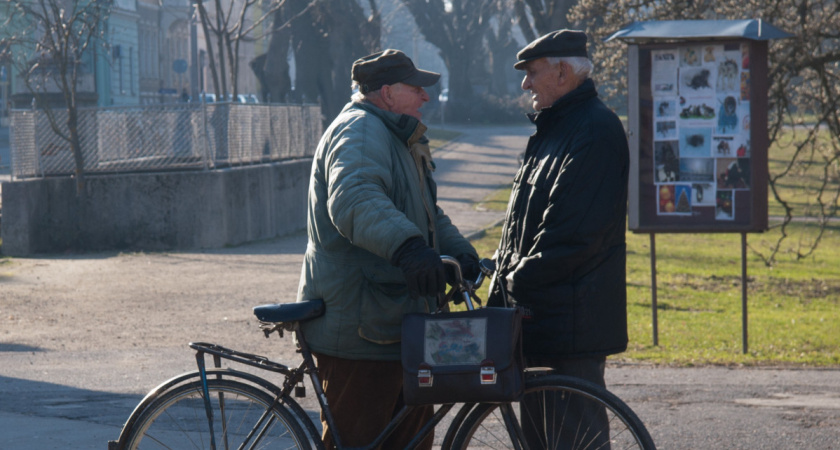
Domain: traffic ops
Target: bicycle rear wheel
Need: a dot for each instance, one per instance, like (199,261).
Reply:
(557,412)
(242,415)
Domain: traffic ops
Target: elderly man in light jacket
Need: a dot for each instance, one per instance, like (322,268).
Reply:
(375,239)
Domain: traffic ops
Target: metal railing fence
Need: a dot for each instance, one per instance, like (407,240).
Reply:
(163,137)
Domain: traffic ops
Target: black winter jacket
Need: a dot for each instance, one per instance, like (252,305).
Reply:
(562,252)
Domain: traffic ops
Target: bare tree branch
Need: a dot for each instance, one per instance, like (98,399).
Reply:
(803,97)
(48,42)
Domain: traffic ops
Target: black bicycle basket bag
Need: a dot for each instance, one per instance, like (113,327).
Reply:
(469,356)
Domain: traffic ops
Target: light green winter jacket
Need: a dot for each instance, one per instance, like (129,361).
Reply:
(366,198)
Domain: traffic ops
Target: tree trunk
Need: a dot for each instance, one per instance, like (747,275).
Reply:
(220,46)
(548,16)
(459,35)
(76,147)
(325,41)
(460,87)
(211,59)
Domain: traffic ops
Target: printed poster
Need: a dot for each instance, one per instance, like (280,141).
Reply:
(701,128)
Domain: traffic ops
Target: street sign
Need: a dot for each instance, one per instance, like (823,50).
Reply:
(179,65)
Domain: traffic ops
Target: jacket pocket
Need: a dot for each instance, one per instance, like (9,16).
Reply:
(601,296)
(550,329)
(385,274)
(538,175)
(385,301)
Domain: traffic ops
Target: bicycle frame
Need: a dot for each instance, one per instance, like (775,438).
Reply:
(278,320)
(293,376)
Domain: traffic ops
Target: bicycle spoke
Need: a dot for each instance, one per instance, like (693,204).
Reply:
(555,413)
(244,417)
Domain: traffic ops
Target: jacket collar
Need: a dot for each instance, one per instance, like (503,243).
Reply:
(407,128)
(580,94)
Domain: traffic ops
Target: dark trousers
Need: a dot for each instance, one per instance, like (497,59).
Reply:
(363,397)
(578,419)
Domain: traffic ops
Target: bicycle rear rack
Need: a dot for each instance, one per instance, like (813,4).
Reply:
(241,357)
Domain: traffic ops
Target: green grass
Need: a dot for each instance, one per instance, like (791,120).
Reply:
(439,137)
(793,314)
(792,307)
(793,310)
(496,201)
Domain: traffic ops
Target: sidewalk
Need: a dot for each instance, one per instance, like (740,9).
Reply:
(469,168)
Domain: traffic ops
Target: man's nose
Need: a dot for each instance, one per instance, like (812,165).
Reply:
(526,83)
(424,95)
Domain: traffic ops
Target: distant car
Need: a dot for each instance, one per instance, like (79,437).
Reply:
(444,95)
(251,98)
(207,97)
(239,98)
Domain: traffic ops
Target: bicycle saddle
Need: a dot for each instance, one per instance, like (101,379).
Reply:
(290,312)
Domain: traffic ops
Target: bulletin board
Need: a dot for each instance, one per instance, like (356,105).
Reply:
(698,128)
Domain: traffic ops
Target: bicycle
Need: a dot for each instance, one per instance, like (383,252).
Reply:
(226,408)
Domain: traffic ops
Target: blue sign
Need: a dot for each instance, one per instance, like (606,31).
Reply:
(179,65)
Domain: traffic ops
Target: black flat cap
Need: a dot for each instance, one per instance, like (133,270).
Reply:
(556,43)
(389,67)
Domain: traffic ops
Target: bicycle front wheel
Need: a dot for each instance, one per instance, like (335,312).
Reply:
(556,412)
(242,417)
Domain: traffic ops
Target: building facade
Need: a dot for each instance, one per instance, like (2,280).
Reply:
(149,59)
(122,85)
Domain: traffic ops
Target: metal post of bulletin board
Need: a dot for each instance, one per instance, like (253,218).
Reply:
(744,328)
(654,305)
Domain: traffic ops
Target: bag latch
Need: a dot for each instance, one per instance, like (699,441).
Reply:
(424,375)
(488,372)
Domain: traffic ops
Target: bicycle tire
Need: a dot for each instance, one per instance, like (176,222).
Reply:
(177,418)
(455,425)
(485,426)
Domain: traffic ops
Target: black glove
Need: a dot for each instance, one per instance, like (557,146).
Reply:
(469,268)
(421,266)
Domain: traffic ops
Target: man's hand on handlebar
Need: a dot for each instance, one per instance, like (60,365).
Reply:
(469,269)
(463,288)
(422,267)
(469,266)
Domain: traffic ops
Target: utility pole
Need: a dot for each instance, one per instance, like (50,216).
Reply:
(194,67)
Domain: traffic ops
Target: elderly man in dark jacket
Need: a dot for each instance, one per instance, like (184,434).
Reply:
(562,252)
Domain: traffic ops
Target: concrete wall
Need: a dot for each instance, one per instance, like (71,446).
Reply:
(155,211)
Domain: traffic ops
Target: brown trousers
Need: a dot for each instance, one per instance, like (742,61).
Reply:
(363,397)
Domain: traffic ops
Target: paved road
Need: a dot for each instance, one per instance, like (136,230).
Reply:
(77,354)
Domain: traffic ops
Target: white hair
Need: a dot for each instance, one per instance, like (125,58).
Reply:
(357,95)
(581,65)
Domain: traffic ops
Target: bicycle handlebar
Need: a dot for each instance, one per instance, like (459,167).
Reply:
(467,288)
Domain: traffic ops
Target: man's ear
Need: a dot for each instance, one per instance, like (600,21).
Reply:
(386,95)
